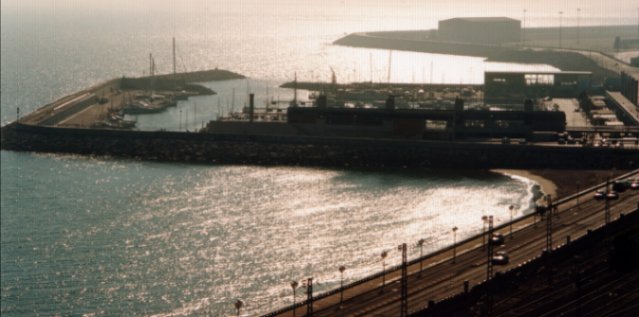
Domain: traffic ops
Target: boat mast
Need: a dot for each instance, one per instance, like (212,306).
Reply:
(174,71)
(295,91)
(151,73)
(233,101)
(390,60)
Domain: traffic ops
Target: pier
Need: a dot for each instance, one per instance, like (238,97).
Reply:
(96,107)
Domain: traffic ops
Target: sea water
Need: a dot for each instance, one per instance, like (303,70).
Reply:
(99,236)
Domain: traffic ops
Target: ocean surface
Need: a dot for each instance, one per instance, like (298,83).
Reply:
(99,236)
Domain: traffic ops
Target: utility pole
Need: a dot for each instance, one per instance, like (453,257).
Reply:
(404,281)
(549,211)
(607,203)
(309,297)
(489,253)
(489,270)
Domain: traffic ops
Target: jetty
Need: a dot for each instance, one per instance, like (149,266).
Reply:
(102,106)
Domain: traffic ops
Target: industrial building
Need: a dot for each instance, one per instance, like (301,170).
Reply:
(424,124)
(504,88)
(485,30)
(630,87)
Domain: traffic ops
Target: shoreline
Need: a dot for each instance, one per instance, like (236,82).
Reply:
(546,186)
(561,183)
(409,41)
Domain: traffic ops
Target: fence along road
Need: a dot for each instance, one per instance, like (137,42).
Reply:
(441,278)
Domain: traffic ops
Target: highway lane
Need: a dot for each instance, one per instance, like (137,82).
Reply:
(475,272)
(441,278)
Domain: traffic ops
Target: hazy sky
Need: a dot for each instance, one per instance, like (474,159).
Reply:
(625,10)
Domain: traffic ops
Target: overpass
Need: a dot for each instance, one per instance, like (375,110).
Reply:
(605,129)
(625,107)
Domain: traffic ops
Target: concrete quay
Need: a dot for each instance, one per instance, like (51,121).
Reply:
(91,107)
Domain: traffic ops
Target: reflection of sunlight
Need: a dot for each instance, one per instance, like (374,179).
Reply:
(250,230)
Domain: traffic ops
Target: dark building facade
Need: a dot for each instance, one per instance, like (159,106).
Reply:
(424,124)
(515,87)
(491,31)
(630,87)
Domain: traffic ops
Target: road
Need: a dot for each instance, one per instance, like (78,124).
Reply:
(441,278)
(604,61)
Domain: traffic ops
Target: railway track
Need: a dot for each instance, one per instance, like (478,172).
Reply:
(441,278)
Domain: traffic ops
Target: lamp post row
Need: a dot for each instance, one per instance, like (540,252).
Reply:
(420,243)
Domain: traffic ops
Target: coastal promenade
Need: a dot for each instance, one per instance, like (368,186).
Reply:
(446,271)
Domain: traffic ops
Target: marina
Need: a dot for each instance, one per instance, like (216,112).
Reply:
(204,180)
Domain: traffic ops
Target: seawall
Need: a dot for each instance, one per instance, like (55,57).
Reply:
(412,41)
(387,40)
(309,151)
(180,81)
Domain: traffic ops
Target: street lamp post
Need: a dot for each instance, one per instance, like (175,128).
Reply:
(294,285)
(384,255)
(578,24)
(561,13)
(523,29)
(341,287)
(511,208)
(455,244)
(238,306)
(420,243)
(483,231)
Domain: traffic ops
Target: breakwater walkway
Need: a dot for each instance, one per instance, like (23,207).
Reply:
(310,151)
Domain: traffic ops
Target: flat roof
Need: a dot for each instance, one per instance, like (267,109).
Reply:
(482,19)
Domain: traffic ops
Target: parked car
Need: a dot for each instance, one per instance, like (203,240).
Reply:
(600,195)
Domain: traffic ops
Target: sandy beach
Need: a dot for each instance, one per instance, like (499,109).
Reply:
(561,183)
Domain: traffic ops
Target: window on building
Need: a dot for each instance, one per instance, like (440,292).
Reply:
(474,123)
(539,79)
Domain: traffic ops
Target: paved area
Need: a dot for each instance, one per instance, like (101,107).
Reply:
(574,116)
